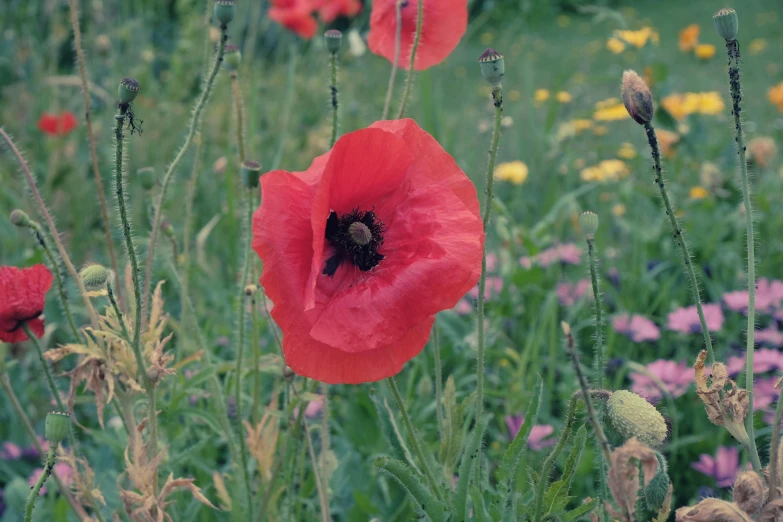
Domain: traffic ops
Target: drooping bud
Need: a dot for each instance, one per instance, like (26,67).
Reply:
(360,233)
(94,276)
(589,223)
(251,171)
(492,67)
(20,218)
(637,98)
(147,177)
(334,39)
(657,489)
(633,416)
(726,23)
(58,424)
(231,57)
(224,11)
(128,90)
(250,290)
(167,228)
(749,491)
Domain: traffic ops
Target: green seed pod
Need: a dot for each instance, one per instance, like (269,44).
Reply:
(492,66)
(637,98)
(632,416)
(250,173)
(94,276)
(656,491)
(333,39)
(424,387)
(726,23)
(224,11)
(147,177)
(128,90)
(232,56)
(20,218)
(167,228)
(58,424)
(589,223)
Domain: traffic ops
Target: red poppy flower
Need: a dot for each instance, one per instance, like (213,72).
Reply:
(444,23)
(57,125)
(329,10)
(22,295)
(294,15)
(363,248)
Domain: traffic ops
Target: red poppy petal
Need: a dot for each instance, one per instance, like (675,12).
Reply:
(295,19)
(67,122)
(432,248)
(48,123)
(23,294)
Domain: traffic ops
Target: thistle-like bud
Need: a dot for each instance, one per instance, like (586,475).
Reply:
(128,90)
(637,98)
(250,290)
(94,277)
(749,491)
(224,11)
(147,177)
(656,490)
(589,223)
(492,67)
(726,23)
(633,416)
(231,57)
(58,424)
(251,171)
(334,39)
(20,218)
(167,228)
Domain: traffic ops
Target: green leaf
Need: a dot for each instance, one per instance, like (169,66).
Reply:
(479,509)
(202,414)
(469,457)
(451,443)
(424,498)
(581,511)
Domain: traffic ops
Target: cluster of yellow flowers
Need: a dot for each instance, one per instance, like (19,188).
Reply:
(513,171)
(689,41)
(607,170)
(542,95)
(682,105)
(775,96)
(610,109)
(618,42)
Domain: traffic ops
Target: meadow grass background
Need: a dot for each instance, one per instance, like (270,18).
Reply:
(552,46)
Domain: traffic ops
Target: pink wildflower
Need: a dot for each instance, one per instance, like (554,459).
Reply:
(676,377)
(771,337)
(537,440)
(686,320)
(493,287)
(61,469)
(769,297)
(637,327)
(569,293)
(463,307)
(764,393)
(723,467)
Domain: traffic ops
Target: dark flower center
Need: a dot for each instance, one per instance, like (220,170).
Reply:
(356,237)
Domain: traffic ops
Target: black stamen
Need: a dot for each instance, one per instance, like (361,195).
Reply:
(364,256)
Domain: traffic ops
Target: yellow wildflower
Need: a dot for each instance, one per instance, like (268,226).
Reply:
(638,38)
(699,193)
(541,95)
(704,51)
(610,110)
(513,171)
(666,141)
(682,105)
(757,45)
(607,170)
(615,45)
(626,151)
(618,210)
(775,95)
(689,38)
(600,130)
(563,97)
(514,95)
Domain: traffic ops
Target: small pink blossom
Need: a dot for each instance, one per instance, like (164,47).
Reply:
(764,360)
(494,285)
(771,337)
(567,253)
(769,297)
(62,470)
(637,327)
(463,307)
(10,451)
(724,467)
(569,293)
(686,320)
(676,377)
(537,440)
(492,261)
(764,393)
(313,408)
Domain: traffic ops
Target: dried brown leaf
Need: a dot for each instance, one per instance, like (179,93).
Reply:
(712,510)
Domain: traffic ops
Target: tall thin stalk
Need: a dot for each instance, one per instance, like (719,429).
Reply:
(409,78)
(335,103)
(393,76)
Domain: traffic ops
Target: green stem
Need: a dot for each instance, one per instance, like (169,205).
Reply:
(736,97)
(48,467)
(416,40)
(288,103)
(325,440)
(774,449)
(186,235)
(49,379)
(118,313)
(240,119)
(598,364)
(414,437)
(438,377)
(256,351)
(333,88)
(393,76)
(195,122)
(322,497)
(678,236)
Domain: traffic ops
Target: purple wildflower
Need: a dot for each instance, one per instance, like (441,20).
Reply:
(686,320)
(676,377)
(769,297)
(569,293)
(537,440)
(764,393)
(637,327)
(723,467)
(771,337)
(567,253)
(494,286)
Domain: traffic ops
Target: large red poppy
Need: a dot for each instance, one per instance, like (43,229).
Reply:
(294,15)
(329,10)
(443,25)
(22,294)
(363,248)
(57,124)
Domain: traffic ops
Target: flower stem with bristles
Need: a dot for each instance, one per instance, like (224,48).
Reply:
(438,377)
(323,499)
(195,122)
(118,313)
(416,40)
(774,449)
(186,234)
(288,104)
(77,45)
(48,467)
(393,76)
(256,352)
(45,366)
(240,119)
(599,363)
(333,90)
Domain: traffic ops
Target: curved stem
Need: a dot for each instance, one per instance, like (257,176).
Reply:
(438,377)
(49,379)
(333,89)
(290,92)
(195,122)
(186,234)
(240,119)
(598,364)
(678,237)
(118,313)
(393,76)
(414,437)
(416,40)
(48,467)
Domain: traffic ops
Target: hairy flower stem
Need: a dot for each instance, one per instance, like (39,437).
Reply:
(323,497)
(256,351)
(52,229)
(774,450)
(598,363)
(118,313)
(77,45)
(416,40)
(195,122)
(393,76)
(678,237)
(48,467)
(240,119)
(288,104)
(333,90)
(497,97)
(45,366)
(438,377)
(414,437)
(736,96)
(187,233)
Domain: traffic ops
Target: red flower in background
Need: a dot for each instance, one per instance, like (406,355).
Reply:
(299,15)
(22,294)
(444,23)
(363,248)
(57,124)
(329,10)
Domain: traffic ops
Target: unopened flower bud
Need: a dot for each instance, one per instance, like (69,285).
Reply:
(231,57)
(333,39)
(656,490)
(589,223)
(726,23)
(424,387)
(147,177)
(94,276)
(492,67)
(58,424)
(250,290)
(251,171)
(633,416)
(749,491)
(167,228)
(224,11)
(103,44)
(637,98)
(20,218)
(128,90)
(153,374)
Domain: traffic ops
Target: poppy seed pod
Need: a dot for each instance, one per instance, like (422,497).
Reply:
(147,177)
(637,98)
(333,39)
(231,57)
(633,416)
(250,173)
(224,11)
(250,290)
(493,67)
(589,223)
(94,276)
(19,218)
(727,23)
(128,90)
(58,424)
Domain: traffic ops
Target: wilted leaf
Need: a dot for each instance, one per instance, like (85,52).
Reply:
(712,510)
